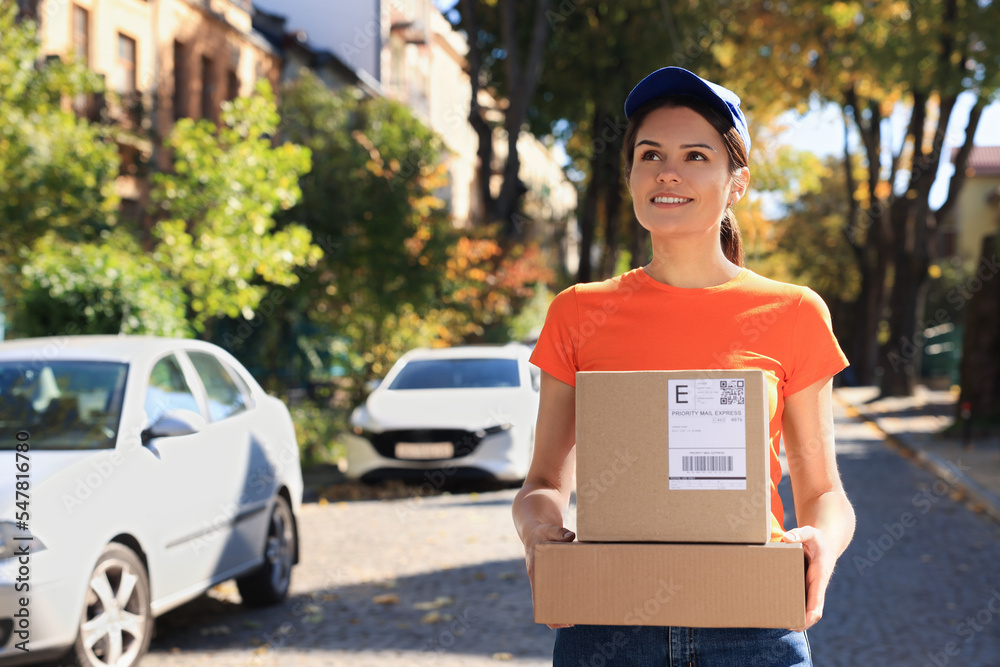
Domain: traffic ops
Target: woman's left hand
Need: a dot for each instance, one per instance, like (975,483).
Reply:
(821,559)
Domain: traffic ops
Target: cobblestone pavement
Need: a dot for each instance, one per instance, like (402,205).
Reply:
(440,581)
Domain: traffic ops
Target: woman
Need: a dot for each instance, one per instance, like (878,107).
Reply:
(694,306)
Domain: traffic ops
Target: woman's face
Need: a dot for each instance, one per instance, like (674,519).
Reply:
(680,178)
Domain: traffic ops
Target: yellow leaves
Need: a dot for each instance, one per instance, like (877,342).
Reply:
(725,53)
(844,14)
(883,190)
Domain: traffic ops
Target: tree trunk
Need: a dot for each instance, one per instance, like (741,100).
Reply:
(901,353)
(588,216)
(522,82)
(612,212)
(482,128)
(871,238)
(980,366)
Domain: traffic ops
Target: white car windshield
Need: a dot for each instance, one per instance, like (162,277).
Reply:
(457,374)
(62,404)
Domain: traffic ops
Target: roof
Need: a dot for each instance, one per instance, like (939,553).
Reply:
(95,348)
(983,160)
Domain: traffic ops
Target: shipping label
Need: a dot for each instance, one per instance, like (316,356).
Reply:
(707,434)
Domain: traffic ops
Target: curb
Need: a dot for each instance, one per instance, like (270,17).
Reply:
(940,467)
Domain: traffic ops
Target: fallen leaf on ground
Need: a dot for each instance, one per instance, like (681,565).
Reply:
(431,617)
(503,656)
(387,598)
(437,603)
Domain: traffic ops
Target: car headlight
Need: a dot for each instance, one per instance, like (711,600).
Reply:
(14,541)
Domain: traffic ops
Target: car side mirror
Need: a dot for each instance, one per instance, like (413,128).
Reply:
(174,423)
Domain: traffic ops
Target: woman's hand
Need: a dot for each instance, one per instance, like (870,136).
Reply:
(821,559)
(544,532)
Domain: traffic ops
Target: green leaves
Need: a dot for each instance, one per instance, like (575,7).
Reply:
(103,287)
(56,171)
(218,239)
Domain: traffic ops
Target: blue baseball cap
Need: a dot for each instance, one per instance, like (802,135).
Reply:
(679,81)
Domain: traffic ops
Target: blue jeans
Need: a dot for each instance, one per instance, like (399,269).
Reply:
(649,646)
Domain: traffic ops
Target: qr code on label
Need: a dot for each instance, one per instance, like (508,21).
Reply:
(733,392)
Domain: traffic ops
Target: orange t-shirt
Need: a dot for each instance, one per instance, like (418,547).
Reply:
(632,322)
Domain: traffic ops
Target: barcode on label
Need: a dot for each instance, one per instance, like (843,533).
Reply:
(707,463)
(733,392)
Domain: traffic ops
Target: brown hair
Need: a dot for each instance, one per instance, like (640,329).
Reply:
(729,237)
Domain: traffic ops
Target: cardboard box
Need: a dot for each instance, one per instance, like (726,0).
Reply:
(672,456)
(686,585)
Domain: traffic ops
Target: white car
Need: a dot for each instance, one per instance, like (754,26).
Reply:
(444,413)
(135,473)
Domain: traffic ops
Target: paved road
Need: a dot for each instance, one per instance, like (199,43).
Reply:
(920,583)
(440,581)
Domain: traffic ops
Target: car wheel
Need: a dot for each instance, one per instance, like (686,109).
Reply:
(268,584)
(117,624)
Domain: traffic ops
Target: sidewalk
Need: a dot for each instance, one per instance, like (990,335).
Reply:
(914,424)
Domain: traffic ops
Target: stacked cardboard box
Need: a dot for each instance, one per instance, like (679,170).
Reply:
(673,508)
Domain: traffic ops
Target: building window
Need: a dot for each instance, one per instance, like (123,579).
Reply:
(180,82)
(81,34)
(207,89)
(232,86)
(125,66)
(84,104)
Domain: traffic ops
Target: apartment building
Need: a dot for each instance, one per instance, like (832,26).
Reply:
(162,60)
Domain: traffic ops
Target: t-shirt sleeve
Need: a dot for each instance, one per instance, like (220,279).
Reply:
(556,351)
(815,351)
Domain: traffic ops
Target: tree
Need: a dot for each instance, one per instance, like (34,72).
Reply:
(396,274)
(807,246)
(214,256)
(57,172)
(369,200)
(872,59)
(100,287)
(522,64)
(217,236)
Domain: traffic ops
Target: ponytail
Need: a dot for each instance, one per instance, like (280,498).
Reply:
(731,239)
